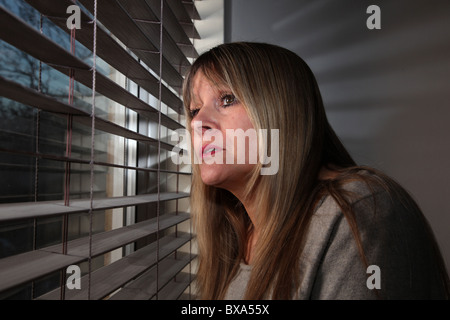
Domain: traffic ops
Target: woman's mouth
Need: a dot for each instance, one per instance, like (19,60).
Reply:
(210,150)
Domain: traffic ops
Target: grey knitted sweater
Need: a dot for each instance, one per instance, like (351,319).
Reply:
(395,243)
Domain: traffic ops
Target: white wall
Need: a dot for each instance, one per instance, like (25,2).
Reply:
(387,91)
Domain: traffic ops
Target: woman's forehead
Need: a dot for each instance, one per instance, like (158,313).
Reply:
(201,80)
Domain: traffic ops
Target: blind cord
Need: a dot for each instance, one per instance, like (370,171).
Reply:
(36,164)
(91,213)
(158,176)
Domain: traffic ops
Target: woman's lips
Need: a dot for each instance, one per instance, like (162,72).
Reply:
(210,150)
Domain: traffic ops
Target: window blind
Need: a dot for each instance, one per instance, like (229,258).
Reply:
(85,151)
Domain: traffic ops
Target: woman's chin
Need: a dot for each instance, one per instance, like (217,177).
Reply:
(229,177)
(211,178)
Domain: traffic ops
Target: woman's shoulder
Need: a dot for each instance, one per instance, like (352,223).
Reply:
(392,234)
(377,204)
(362,185)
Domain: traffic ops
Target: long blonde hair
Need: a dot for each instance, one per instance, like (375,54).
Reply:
(279,91)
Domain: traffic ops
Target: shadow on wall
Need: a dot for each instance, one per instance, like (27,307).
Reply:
(385,91)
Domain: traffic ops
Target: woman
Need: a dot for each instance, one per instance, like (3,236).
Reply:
(321,227)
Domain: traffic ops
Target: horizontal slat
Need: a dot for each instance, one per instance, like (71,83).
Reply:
(48,142)
(191,9)
(25,267)
(50,259)
(173,27)
(144,287)
(110,127)
(19,34)
(145,14)
(106,280)
(174,289)
(31,97)
(179,10)
(95,163)
(28,210)
(112,52)
(110,240)
(115,18)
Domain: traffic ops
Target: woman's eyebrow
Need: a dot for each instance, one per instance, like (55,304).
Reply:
(221,88)
(194,100)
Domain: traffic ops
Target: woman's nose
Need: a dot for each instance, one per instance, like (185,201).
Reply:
(204,120)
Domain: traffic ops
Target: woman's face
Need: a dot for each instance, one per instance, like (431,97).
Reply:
(218,123)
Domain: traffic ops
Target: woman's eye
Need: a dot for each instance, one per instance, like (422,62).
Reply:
(193,112)
(228,100)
